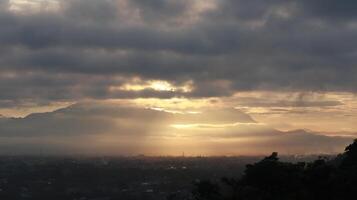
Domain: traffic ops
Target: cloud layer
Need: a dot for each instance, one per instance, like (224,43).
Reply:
(76,49)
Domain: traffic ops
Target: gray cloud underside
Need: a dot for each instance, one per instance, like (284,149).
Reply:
(81,50)
(71,128)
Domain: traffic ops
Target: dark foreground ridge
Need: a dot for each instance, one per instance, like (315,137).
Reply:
(271,179)
(179,178)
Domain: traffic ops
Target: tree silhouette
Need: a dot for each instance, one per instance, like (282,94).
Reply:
(271,179)
(350,155)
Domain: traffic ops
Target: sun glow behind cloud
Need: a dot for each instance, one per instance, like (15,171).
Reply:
(157,85)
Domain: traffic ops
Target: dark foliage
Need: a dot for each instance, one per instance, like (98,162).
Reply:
(271,179)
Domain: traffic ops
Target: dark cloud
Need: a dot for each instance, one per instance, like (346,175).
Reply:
(259,102)
(331,9)
(78,51)
(91,11)
(161,10)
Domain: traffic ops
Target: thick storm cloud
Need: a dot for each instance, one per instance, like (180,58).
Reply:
(80,49)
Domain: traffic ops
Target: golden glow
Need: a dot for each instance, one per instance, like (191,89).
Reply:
(161,86)
(280,110)
(325,112)
(178,103)
(157,85)
(195,129)
(174,111)
(209,126)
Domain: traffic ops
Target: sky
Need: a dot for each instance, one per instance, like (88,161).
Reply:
(162,77)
